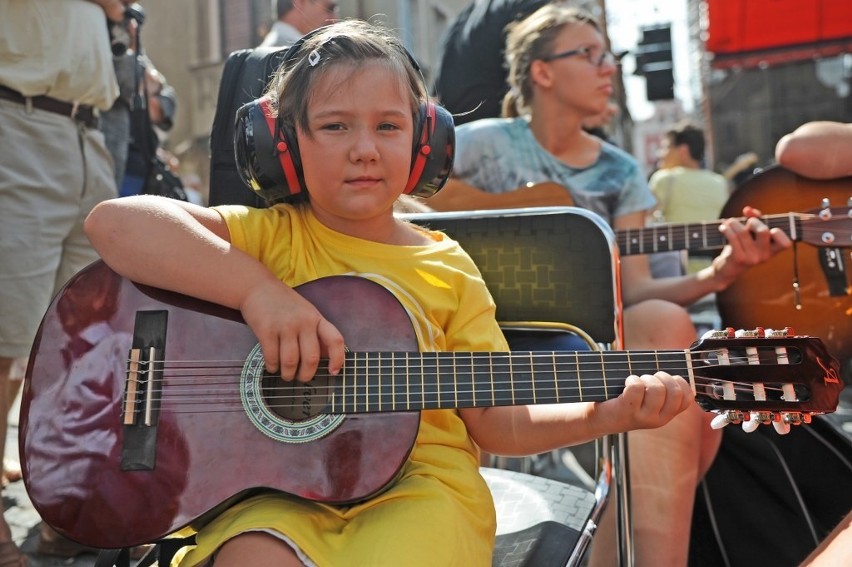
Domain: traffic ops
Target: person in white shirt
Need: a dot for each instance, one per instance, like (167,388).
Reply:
(298,17)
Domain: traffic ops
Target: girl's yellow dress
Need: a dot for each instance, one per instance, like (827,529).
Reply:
(439,512)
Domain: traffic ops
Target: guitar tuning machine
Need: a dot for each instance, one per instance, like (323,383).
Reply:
(825,210)
(727,417)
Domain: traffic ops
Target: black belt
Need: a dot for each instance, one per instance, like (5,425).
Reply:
(82,113)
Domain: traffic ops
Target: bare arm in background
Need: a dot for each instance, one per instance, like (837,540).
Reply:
(819,150)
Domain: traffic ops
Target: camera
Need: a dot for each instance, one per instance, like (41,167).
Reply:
(119,32)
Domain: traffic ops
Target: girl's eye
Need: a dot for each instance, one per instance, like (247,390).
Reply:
(388,126)
(335,126)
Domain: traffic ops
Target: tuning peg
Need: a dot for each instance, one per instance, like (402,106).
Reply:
(782,422)
(756,419)
(825,210)
(726,417)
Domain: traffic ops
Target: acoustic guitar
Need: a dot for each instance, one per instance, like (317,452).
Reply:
(823,227)
(171,415)
(807,288)
(792,288)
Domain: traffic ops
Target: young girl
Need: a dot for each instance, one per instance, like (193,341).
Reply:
(352,95)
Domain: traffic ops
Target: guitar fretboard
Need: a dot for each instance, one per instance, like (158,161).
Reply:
(691,236)
(407,381)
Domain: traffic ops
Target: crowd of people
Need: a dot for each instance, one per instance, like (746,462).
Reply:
(530,131)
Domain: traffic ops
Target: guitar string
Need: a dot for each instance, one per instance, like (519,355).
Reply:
(188,391)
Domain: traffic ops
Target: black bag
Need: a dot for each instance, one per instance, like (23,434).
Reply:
(246,74)
(161,181)
(769,499)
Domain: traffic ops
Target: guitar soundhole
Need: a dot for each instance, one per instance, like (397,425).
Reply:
(290,412)
(294,401)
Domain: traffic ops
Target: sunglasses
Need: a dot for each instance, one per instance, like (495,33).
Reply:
(589,53)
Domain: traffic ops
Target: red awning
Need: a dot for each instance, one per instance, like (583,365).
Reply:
(746,32)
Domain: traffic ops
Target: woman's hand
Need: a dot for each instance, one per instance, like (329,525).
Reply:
(749,243)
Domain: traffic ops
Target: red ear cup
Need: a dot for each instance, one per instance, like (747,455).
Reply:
(267,157)
(434,149)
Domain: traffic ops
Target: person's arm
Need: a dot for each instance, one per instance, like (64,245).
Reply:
(749,243)
(819,150)
(457,195)
(114,9)
(186,248)
(647,402)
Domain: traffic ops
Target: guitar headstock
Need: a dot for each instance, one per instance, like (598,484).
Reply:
(764,376)
(827,226)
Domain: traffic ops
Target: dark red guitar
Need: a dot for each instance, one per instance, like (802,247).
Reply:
(166,414)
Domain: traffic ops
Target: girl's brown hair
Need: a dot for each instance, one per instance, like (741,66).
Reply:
(348,42)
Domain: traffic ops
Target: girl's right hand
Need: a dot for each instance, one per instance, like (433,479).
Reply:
(292,333)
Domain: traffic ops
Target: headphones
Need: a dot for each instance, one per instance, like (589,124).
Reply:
(267,150)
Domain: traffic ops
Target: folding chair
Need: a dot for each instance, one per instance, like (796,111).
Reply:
(550,269)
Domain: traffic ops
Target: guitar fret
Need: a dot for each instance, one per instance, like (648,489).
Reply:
(618,361)
(511,376)
(555,382)
(455,381)
(491,378)
(500,393)
(464,392)
(643,362)
(473,382)
(532,378)
(520,378)
(603,377)
(579,381)
(393,381)
(415,381)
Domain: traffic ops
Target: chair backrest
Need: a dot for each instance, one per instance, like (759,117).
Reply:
(552,265)
(555,264)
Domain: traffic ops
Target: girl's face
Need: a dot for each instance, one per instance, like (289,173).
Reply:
(357,154)
(582,81)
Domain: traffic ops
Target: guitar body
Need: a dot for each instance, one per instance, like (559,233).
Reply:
(765,292)
(75,447)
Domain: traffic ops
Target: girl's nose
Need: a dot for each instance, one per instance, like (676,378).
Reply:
(364,147)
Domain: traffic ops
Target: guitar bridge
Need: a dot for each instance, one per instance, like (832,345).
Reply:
(142,391)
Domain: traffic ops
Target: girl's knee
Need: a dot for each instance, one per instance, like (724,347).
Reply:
(659,324)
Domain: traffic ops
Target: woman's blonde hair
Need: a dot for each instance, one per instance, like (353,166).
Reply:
(530,39)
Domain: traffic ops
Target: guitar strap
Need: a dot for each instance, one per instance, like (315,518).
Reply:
(831,260)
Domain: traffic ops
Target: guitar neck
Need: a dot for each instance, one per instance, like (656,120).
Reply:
(692,236)
(409,381)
